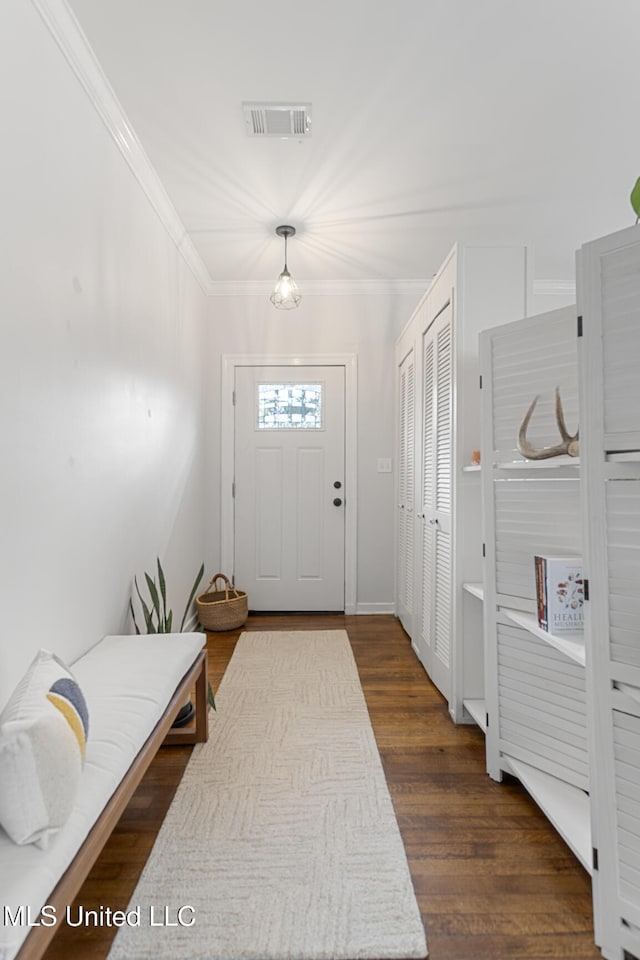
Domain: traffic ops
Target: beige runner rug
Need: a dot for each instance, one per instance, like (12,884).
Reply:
(281,842)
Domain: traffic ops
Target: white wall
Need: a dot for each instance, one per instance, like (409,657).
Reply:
(101,369)
(550,296)
(365,325)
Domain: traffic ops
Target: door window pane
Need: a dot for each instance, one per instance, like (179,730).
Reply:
(290,406)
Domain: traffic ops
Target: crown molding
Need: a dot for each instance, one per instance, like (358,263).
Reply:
(333,288)
(263,288)
(68,34)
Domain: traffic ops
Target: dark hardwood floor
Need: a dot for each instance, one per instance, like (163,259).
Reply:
(493,879)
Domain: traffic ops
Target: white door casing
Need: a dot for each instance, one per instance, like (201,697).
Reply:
(328,532)
(405,520)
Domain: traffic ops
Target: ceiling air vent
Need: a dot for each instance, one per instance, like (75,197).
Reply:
(282,120)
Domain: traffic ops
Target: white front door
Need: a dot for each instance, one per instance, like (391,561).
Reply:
(289,506)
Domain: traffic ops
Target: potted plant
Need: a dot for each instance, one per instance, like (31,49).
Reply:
(158,619)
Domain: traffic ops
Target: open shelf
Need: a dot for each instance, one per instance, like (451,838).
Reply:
(552,463)
(566,806)
(475,589)
(572,648)
(477,709)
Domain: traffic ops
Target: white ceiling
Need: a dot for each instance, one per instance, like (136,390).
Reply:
(434,121)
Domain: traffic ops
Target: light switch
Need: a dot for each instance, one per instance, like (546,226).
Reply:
(384,464)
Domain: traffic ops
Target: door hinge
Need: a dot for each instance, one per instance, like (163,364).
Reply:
(233,398)
(233,489)
(486,720)
(586,588)
(594,854)
(484,549)
(481,381)
(579,326)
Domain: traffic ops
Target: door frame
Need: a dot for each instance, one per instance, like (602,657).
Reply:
(349,361)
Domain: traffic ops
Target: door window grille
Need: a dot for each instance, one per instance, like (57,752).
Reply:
(290,406)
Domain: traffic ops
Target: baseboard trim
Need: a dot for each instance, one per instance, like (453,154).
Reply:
(375,608)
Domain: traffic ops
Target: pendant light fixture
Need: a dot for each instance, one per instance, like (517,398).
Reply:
(286,295)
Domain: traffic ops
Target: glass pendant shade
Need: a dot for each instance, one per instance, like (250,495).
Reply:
(286,295)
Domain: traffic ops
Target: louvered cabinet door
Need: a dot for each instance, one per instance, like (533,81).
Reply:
(406,520)
(436,500)
(535,680)
(533,515)
(542,709)
(427,503)
(626,758)
(622,505)
(610,292)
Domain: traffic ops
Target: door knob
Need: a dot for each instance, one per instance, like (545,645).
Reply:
(337,484)
(337,502)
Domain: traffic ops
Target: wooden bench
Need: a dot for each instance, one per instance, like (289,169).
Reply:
(61,895)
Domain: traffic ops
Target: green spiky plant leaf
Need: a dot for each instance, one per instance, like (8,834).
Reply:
(163,591)
(133,616)
(155,599)
(635,199)
(194,589)
(157,618)
(146,612)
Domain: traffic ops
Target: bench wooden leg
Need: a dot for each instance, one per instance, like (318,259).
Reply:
(198,731)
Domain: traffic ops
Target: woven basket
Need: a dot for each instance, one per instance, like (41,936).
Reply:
(222,609)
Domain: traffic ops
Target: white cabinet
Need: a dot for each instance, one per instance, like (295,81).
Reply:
(438,528)
(536,697)
(609,306)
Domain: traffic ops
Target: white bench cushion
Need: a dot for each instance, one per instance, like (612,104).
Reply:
(127,682)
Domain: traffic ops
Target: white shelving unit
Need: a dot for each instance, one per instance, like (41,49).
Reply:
(609,307)
(564,711)
(535,681)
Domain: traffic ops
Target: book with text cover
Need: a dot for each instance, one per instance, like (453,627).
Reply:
(560,594)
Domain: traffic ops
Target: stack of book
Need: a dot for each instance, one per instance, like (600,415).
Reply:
(560,594)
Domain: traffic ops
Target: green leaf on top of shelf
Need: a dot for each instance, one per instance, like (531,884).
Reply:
(635,199)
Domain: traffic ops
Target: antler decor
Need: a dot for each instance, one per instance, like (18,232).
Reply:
(570,444)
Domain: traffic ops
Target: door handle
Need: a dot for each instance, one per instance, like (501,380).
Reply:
(337,502)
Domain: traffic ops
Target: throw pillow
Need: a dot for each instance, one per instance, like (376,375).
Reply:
(43,733)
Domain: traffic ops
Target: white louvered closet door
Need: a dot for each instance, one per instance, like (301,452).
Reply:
(435,514)
(406,493)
